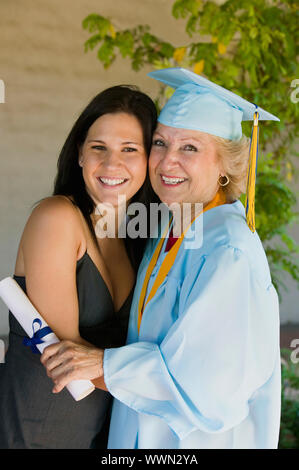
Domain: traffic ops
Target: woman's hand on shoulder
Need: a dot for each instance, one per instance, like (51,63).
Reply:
(50,244)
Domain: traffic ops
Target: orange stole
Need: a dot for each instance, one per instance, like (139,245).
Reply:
(169,259)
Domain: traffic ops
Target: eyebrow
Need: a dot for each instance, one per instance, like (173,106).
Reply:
(192,138)
(183,139)
(135,143)
(103,142)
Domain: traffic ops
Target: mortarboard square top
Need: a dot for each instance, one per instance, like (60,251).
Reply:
(199,104)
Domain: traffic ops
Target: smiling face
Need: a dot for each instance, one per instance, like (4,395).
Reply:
(183,165)
(113,158)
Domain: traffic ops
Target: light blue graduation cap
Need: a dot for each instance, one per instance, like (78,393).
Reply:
(199,104)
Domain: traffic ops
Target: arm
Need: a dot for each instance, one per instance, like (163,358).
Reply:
(219,351)
(100,383)
(50,244)
(205,370)
(67,361)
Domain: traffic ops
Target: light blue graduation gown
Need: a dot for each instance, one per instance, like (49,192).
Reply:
(204,370)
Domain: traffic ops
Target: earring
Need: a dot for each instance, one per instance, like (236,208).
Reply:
(220,180)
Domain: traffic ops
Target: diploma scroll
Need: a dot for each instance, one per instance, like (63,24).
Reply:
(26,314)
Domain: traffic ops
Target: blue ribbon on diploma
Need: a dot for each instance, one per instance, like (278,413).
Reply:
(37,336)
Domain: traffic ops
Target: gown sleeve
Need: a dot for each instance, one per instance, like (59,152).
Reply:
(221,349)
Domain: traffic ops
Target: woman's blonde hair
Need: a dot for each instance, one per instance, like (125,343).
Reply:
(233,156)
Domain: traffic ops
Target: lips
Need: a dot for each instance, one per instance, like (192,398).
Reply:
(172,180)
(110,182)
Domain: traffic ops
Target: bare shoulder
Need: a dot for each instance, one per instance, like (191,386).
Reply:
(60,205)
(55,215)
(58,209)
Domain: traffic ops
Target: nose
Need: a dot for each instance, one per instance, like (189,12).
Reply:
(113,159)
(169,159)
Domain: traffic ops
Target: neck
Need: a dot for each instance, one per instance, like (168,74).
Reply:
(184,216)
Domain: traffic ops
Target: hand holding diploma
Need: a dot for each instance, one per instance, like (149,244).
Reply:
(67,361)
(28,317)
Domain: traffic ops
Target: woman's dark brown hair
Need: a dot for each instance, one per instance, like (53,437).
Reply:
(69,180)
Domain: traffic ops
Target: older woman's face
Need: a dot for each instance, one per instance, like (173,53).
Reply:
(183,165)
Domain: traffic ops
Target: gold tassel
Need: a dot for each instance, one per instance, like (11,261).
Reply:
(251,174)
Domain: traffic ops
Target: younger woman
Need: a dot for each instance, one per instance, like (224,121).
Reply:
(81,285)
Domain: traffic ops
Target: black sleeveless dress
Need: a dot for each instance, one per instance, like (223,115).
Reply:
(31,416)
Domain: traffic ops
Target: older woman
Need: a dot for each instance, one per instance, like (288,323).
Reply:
(201,367)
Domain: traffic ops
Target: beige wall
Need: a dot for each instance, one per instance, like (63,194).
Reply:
(48,80)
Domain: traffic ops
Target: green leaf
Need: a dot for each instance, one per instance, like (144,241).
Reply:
(147,39)
(125,43)
(92,42)
(253,33)
(138,59)
(182,8)
(96,22)
(167,50)
(106,53)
